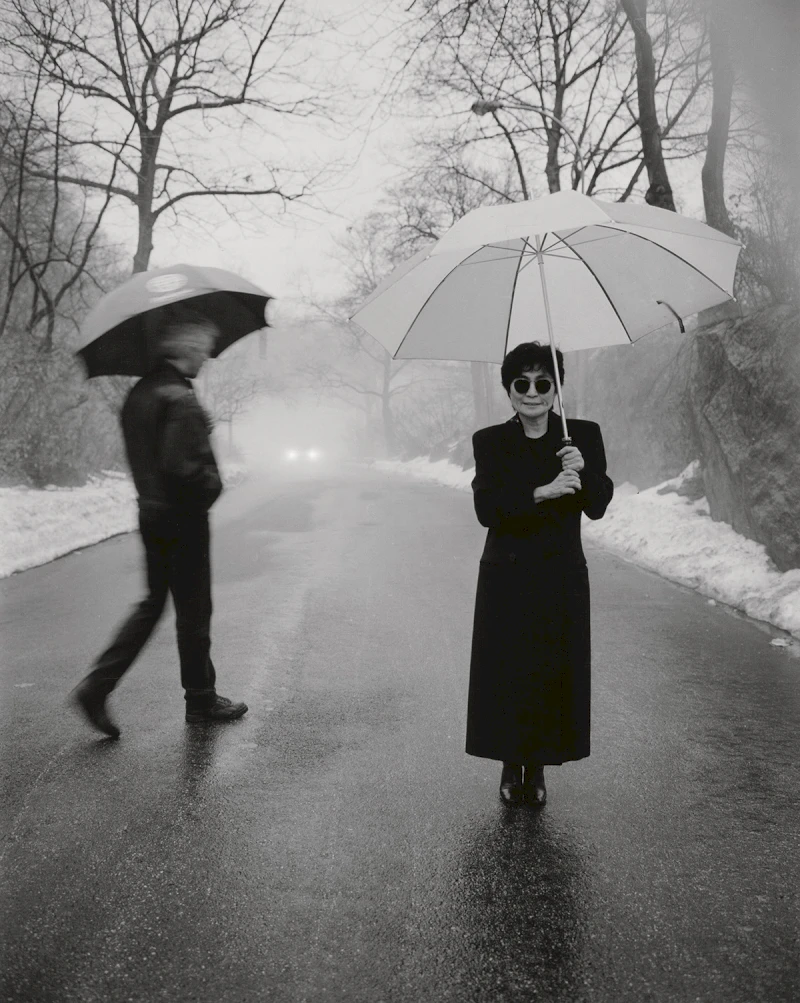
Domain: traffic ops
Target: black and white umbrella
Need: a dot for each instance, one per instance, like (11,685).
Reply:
(121,332)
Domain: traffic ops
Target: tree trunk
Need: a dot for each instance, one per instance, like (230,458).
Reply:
(659,192)
(145,245)
(723,76)
(722,73)
(144,203)
(552,168)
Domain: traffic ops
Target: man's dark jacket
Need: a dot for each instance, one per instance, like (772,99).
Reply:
(168,445)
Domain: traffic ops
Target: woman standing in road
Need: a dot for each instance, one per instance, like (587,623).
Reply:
(529,688)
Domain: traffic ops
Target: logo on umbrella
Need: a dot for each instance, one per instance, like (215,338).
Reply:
(161,284)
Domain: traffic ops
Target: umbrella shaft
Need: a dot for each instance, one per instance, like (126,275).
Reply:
(540,259)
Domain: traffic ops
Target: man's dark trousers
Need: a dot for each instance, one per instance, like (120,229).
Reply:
(177,555)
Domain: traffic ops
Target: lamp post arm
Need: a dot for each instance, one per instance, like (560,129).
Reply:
(484,107)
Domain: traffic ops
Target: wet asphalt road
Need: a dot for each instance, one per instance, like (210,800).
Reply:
(336,844)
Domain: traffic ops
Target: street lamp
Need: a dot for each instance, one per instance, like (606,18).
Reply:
(482,107)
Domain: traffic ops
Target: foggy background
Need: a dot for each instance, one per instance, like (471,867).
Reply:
(354,147)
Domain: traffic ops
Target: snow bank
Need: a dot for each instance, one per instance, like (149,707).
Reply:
(674,537)
(36,526)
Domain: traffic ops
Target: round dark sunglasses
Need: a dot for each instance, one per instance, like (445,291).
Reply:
(523,385)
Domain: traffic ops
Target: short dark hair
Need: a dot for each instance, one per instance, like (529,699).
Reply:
(179,315)
(169,324)
(529,355)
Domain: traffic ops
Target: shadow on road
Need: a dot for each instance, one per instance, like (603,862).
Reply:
(521,902)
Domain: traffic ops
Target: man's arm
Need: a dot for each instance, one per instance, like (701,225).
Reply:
(187,461)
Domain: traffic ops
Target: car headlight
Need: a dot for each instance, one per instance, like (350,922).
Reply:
(313,454)
(291,454)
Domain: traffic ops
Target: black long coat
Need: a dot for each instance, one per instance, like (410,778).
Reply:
(530,674)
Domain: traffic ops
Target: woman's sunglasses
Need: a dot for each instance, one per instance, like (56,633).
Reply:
(523,385)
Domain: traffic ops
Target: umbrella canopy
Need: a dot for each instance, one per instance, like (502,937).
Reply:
(121,332)
(583,272)
(612,273)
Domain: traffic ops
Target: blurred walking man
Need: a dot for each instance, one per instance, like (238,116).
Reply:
(177,481)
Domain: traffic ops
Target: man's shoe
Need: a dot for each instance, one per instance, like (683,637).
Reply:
(535,790)
(92,705)
(222,709)
(511,783)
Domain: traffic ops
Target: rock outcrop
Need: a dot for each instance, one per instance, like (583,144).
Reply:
(727,394)
(745,405)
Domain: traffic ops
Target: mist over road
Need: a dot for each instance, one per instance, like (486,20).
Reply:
(336,844)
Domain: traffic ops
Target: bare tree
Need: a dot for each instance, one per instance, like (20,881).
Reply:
(548,54)
(358,371)
(439,191)
(230,385)
(559,80)
(723,77)
(48,236)
(350,365)
(433,419)
(147,80)
(558,53)
(768,223)
(53,255)
(659,191)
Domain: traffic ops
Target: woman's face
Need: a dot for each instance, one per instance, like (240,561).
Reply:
(533,403)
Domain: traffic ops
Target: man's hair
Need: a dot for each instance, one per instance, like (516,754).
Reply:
(529,355)
(175,322)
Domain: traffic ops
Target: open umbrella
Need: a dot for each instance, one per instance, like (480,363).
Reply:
(590,273)
(120,333)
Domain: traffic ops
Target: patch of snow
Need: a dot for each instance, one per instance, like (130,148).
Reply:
(38,525)
(676,482)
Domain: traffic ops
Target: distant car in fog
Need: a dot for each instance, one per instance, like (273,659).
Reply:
(302,455)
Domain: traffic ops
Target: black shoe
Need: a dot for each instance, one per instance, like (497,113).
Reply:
(535,789)
(92,705)
(222,709)
(511,783)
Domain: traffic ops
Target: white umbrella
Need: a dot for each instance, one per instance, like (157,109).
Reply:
(590,273)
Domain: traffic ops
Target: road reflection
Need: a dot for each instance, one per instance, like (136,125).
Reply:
(521,903)
(198,757)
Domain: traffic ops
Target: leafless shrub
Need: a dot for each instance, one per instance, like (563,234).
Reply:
(766,214)
(57,428)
